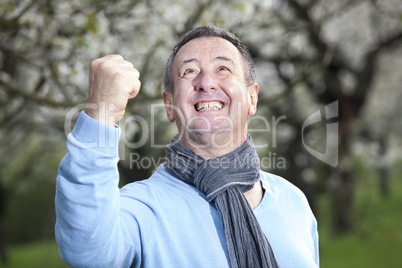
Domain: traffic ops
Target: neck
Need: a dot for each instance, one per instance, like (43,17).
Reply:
(211,147)
(254,196)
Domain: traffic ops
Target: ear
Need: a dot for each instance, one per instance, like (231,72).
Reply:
(253,98)
(168,100)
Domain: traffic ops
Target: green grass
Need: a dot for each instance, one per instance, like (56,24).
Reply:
(34,255)
(377,241)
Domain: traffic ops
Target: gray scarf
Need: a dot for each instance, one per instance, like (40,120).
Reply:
(224,180)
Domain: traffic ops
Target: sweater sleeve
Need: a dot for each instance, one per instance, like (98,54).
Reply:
(89,229)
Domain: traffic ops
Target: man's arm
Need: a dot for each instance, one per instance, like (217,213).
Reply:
(88,230)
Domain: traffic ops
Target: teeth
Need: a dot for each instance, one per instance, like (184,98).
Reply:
(207,106)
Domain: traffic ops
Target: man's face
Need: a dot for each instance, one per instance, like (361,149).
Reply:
(211,100)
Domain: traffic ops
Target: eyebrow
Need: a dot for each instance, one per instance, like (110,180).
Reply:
(184,63)
(225,59)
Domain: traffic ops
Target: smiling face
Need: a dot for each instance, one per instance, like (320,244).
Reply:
(211,99)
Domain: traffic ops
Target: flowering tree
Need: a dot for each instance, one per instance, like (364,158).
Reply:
(309,54)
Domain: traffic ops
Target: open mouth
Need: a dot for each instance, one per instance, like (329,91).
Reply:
(208,106)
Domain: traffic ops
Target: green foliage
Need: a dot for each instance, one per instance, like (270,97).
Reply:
(92,23)
(30,177)
(30,214)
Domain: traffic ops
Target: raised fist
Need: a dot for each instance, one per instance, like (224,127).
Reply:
(112,81)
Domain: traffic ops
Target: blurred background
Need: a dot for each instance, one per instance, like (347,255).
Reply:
(328,120)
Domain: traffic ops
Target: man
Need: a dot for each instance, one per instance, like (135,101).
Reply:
(209,205)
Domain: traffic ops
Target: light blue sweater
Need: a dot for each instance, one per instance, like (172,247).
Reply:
(162,221)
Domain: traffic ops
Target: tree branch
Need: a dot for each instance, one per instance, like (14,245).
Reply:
(13,23)
(366,75)
(347,5)
(7,116)
(312,28)
(191,20)
(14,89)
(291,84)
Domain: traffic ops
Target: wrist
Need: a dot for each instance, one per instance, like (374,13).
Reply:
(101,116)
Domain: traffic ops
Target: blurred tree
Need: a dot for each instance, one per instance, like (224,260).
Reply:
(36,36)
(327,52)
(308,53)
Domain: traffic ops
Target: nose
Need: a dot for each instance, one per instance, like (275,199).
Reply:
(205,82)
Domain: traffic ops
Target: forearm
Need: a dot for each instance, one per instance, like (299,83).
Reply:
(87,197)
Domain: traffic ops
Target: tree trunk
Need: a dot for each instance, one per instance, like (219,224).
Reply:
(383,174)
(342,181)
(342,195)
(3,255)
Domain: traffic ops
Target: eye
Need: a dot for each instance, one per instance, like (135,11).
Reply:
(223,68)
(189,72)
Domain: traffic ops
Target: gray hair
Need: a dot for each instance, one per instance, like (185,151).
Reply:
(209,31)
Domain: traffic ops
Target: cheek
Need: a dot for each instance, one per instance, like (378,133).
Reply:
(233,86)
(181,90)
(180,105)
(180,102)
(238,94)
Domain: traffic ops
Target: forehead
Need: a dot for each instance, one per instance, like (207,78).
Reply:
(207,49)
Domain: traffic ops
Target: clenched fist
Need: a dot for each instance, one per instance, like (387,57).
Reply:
(112,81)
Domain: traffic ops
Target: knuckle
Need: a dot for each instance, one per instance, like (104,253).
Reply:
(136,73)
(116,56)
(95,63)
(129,64)
(136,85)
(112,57)
(117,76)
